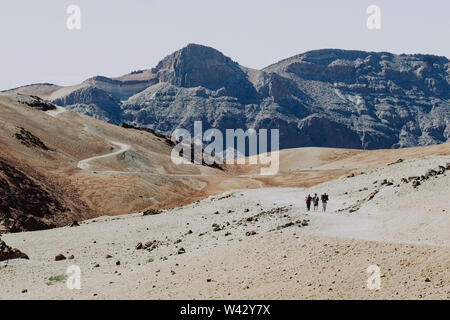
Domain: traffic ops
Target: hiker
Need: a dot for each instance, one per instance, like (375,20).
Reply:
(316,202)
(308,200)
(324,199)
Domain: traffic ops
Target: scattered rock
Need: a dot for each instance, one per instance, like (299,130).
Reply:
(181,251)
(152,245)
(75,224)
(24,291)
(108,256)
(151,212)
(60,257)
(441,169)
(71,257)
(431,173)
(395,162)
(117,263)
(250,233)
(139,246)
(372,195)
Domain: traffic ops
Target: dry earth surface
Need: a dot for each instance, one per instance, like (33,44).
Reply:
(228,233)
(257,244)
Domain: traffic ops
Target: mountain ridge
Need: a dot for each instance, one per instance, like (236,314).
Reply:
(324,98)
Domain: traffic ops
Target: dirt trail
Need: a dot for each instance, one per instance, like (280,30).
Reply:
(255,244)
(56,112)
(123,147)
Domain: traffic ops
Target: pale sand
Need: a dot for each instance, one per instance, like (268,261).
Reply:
(403,230)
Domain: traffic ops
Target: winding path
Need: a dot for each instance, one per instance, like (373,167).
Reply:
(122,148)
(84,164)
(56,112)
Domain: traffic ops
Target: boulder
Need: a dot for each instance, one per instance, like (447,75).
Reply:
(8,253)
(151,212)
(430,173)
(60,257)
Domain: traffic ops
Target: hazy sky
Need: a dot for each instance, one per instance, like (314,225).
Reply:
(119,36)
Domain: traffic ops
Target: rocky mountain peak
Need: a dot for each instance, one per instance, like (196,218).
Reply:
(327,97)
(201,66)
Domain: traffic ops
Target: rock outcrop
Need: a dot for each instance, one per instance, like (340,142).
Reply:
(93,102)
(324,98)
(26,204)
(8,253)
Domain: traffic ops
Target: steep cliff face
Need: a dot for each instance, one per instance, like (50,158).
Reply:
(93,102)
(327,98)
(199,66)
(387,100)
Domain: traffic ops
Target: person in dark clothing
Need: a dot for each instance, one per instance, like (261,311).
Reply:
(316,202)
(324,199)
(308,200)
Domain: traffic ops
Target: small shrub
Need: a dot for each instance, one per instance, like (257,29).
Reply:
(54,279)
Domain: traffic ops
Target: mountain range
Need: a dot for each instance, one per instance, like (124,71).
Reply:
(324,98)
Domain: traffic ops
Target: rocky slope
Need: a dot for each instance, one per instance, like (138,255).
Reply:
(43,185)
(57,166)
(259,244)
(330,97)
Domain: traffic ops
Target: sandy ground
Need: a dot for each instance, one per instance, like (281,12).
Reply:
(256,244)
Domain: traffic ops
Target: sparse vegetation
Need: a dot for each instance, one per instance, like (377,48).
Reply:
(54,279)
